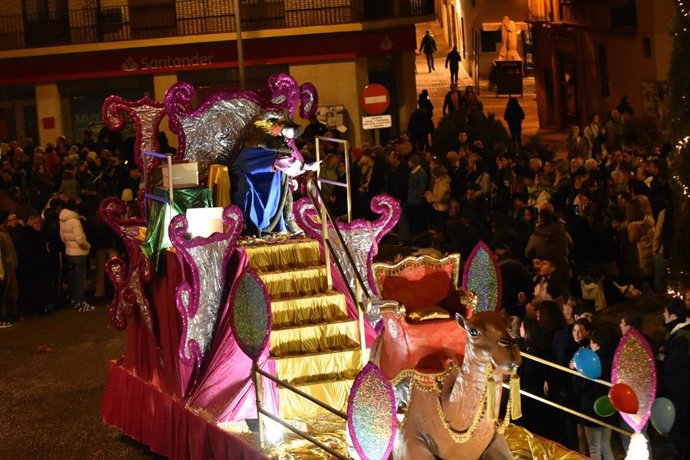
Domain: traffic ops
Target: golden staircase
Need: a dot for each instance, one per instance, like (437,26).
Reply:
(314,343)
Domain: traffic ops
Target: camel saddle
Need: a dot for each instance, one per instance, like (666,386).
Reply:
(421,298)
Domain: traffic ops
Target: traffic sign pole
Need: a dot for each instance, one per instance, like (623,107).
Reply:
(375,100)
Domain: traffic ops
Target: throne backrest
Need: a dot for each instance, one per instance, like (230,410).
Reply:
(420,282)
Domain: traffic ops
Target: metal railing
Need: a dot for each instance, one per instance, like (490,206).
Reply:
(258,373)
(121,21)
(330,253)
(564,408)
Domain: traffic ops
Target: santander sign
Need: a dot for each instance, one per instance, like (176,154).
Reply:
(167,62)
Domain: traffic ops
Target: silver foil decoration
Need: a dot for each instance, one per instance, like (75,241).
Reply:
(214,135)
(209,264)
(359,241)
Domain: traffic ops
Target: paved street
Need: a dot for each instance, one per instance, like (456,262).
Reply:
(52,375)
(438,84)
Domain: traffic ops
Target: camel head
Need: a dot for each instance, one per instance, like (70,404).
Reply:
(489,338)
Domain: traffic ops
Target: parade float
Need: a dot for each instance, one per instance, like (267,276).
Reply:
(298,346)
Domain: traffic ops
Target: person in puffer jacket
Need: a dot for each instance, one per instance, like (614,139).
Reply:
(76,253)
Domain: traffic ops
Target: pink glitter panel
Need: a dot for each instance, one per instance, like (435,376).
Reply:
(251,313)
(633,364)
(371,419)
(388,209)
(129,277)
(483,277)
(146,115)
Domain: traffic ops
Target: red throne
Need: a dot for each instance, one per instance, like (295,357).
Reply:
(419,327)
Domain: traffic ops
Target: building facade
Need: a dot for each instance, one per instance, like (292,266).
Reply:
(584,54)
(589,54)
(62,58)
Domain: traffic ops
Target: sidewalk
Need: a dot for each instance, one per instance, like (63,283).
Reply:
(438,83)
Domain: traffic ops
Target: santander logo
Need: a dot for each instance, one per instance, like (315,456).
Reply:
(167,62)
(386,44)
(129,65)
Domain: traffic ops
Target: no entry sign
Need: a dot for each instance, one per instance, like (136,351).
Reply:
(375,99)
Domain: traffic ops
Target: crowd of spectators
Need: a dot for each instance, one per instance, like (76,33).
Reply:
(51,234)
(574,233)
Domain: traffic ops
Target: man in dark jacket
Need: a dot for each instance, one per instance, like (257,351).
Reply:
(674,374)
(428,46)
(453,58)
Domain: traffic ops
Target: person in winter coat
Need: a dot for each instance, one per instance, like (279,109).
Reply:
(514,115)
(674,373)
(586,392)
(428,46)
(453,58)
(550,241)
(439,197)
(8,284)
(76,251)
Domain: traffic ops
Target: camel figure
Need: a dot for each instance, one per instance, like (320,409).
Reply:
(451,416)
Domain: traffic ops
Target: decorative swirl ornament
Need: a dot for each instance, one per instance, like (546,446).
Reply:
(128,278)
(199,299)
(361,236)
(217,130)
(146,115)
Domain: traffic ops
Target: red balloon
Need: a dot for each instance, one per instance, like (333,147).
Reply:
(624,398)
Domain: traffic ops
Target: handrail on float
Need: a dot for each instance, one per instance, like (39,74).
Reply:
(564,408)
(360,291)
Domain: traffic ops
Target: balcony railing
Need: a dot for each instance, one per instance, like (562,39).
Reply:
(118,20)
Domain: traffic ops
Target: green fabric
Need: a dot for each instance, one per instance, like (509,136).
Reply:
(160,215)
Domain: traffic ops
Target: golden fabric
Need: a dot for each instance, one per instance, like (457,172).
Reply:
(526,446)
(330,306)
(314,339)
(290,284)
(298,370)
(326,428)
(219,183)
(280,256)
(334,394)
(428,313)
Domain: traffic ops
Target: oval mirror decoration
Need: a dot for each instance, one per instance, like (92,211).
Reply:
(633,365)
(371,415)
(251,313)
(483,277)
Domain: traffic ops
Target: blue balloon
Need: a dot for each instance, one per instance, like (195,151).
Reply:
(587,363)
(663,415)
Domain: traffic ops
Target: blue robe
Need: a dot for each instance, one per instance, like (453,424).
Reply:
(257,188)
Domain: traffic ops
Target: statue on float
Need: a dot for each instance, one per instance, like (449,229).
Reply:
(446,373)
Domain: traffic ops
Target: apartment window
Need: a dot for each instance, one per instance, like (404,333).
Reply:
(46,22)
(603,70)
(646,47)
(624,15)
(152,18)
